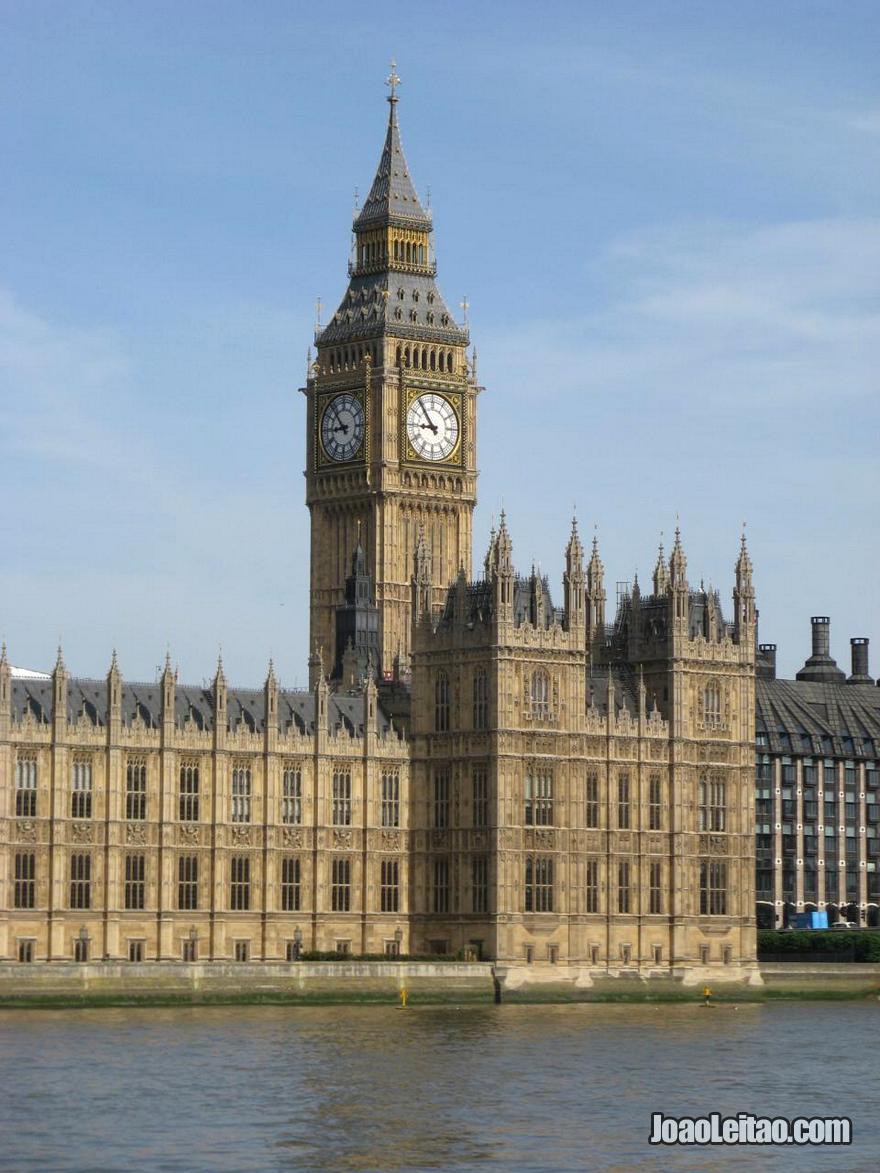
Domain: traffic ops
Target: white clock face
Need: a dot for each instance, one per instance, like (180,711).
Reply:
(342,427)
(432,426)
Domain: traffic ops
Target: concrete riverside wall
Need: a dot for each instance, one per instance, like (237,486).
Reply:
(820,979)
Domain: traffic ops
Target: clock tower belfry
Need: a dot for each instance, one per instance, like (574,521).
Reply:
(391,418)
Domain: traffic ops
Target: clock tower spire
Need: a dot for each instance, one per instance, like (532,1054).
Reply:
(391,419)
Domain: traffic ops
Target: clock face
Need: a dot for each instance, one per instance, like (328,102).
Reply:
(342,427)
(432,426)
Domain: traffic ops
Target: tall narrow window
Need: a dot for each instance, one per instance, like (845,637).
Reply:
(623,801)
(136,789)
(623,892)
(592,885)
(188,883)
(135,881)
(241,794)
(480,780)
(341,798)
(539,799)
(290,883)
(713,803)
(189,792)
(712,706)
(591,801)
(389,885)
(391,799)
(539,883)
(655,890)
(441,703)
(81,795)
(340,885)
(81,880)
(655,795)
(481,699)
(480,883)
(441,798)
(440,887)
(291,795)
(26,788)
(540,694)
(24,891)
(240,886)
(713,888)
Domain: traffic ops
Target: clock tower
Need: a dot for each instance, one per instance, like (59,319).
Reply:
(391,419)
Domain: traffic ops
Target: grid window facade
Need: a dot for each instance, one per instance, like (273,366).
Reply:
(713,888)
(440,885)
(341,798)
(240,883)
(713,804)
(26,788)
(480,780)
(389,885)
(189,792)
(655,802)
(81,880)
(539,799)
(480,883)
(135,889)
(290,883)
(136,789)
(241,794)
(81,793)
(188,883)
(340,885)
(539,883)
(624,895)
(592,885)
(391,799)
(441,703)
(481,699)
(655,889)
(591,801)
(623,802)
(441,798)
(24,888)
(291,796)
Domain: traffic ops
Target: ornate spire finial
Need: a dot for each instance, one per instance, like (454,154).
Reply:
(114,664)
(465,306)
(393,81)
(3,656)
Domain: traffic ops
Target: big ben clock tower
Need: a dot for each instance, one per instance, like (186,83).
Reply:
(391,444)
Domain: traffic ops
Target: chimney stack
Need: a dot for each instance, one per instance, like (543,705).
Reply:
(820,667)
(860,675)
(765,668)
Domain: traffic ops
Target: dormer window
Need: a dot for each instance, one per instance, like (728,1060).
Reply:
(430,319)
(415,295)
(430,299)
(413,315)
(445,319)
(400,294)
(398,313)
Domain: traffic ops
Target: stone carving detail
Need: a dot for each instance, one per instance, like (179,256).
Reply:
(81,833)
(391,840)
(342,838)
(478,839)
(541,837)
(136,834)
(241,836)
(438,838)
(713,845)
(292,836)
(26,831)
(190,834)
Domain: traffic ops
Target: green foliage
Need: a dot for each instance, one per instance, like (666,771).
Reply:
(840,946)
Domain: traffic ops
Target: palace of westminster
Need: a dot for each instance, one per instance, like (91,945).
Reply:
(473,769)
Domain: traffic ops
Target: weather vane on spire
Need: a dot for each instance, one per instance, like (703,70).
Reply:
(393,81)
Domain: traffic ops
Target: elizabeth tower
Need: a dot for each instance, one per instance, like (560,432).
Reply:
(391,443)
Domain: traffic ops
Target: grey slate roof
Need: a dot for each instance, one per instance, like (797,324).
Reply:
(365,311)
(393,197)
(244,706)
(805,717)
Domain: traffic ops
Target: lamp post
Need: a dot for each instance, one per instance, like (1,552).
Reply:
(297,942)
(398,938)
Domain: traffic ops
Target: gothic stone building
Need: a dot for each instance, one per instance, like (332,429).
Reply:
(472,768)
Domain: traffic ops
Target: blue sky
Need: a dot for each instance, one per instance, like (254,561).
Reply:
(664,217)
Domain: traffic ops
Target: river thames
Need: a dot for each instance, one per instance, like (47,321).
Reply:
(511,1088)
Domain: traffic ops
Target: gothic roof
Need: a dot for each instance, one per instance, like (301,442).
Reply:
(372,302)
(244,706)
(393,197)
(807,717)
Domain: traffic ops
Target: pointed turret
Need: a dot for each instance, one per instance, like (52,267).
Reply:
(501,572)
(595,594)
(5,691)
(490,552)
(169,697)
(114,690)
(59,688)
(220,697)
(744,596)
(421,582)
(677,564)
(661,575)
(574,581)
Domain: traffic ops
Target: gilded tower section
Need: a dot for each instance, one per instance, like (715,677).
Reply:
(391,419)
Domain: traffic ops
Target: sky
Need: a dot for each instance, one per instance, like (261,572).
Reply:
(664,217)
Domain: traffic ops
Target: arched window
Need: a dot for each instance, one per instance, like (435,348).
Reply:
(433,352)
(712,706)
(441,703)
(481,699)
(540,694)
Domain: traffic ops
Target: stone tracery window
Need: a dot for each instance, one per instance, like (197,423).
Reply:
(539,883)
(540,694)
(711,705)
(26,787)
(441,703)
